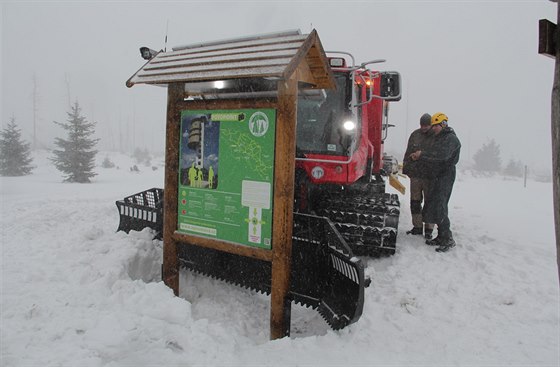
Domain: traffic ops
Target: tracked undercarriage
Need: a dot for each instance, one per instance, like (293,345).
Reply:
(365,216)
(368,224)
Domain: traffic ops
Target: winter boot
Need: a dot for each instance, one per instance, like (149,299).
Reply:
(428,233)
(415,230)
(446,245)
(434,242)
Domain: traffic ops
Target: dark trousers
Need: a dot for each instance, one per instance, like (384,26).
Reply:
(437,200)
(418,193)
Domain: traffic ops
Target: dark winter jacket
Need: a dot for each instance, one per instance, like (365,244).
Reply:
(440,158)
(418,140)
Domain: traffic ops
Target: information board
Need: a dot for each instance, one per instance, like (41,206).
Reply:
(226,169)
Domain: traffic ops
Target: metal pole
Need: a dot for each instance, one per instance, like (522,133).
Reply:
(525,177)
(34,112)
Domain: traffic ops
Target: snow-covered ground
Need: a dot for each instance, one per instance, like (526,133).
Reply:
(75,293)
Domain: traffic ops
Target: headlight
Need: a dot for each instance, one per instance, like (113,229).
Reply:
(317,172)
(349,125)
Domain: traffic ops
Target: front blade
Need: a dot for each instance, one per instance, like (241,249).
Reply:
(325,275)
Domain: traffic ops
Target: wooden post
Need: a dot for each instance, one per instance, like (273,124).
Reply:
(555,122)
(284,173)
(170,267)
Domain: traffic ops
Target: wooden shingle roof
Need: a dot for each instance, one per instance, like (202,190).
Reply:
(266,56)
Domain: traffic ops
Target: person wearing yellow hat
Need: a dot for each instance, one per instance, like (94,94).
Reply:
(440,159)
(419,182)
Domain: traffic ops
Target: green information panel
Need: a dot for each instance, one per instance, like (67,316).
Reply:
(226,172)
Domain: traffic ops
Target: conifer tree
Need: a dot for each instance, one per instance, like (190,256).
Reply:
(76,156)
(514,168)
(15,155)
(487,158)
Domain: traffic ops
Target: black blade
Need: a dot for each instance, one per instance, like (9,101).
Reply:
(324,276)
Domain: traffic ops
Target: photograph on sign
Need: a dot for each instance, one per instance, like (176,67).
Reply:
(226,168)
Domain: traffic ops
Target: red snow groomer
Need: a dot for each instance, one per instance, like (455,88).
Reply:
(340,164)
(341,206)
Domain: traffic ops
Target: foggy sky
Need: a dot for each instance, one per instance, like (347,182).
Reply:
(476,61)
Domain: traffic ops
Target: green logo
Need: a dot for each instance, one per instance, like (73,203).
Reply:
(258,124)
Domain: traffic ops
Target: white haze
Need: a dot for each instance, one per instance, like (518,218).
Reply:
(77,293)
(476,61)
(74,292)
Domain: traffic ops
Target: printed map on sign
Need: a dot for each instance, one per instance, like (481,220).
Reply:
(226,173)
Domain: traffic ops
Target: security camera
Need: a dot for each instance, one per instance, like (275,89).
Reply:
(147,53)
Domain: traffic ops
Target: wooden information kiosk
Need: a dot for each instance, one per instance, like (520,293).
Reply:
(230,149)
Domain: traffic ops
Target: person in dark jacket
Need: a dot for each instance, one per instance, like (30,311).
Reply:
(419,181)
(440,159)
